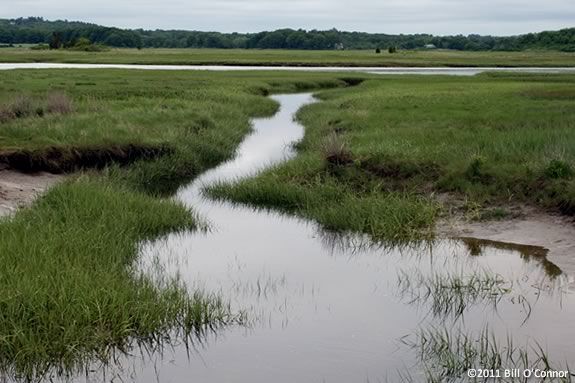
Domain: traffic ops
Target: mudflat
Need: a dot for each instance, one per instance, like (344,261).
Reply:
(19,189)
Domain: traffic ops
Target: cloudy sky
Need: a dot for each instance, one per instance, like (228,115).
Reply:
(496,17)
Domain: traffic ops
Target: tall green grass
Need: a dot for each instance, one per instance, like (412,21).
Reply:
(68,291)
(492,140)
(69,288)
(338,206)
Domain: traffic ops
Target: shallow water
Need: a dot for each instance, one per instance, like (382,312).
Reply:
(468,71)
(326,307)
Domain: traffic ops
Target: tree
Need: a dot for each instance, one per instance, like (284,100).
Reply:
(82,42)
(56,41)
(377,50)
(65,34)
(392,49)
(296,40)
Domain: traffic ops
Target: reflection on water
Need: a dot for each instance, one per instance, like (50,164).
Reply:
(527,252)
(324,307)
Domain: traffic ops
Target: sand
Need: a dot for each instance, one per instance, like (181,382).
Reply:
(18,189)
(537,228)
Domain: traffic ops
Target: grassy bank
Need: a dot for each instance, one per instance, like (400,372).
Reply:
(69,289)
(278,57)
(375,156)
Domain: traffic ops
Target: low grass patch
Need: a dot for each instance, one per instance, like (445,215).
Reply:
(23,106)
(279,57)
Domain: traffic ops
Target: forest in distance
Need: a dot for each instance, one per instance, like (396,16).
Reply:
(37,30)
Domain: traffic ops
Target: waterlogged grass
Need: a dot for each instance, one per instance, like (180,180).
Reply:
(451,295)
(278,57)
(402,140)
(446,355)
(70,292)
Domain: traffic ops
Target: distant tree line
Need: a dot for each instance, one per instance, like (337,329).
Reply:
(36,30)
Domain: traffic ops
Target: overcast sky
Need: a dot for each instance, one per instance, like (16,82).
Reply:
(496,17)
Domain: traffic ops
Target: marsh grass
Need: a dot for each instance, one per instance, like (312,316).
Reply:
(69,287)
(480,139)
(395,217)
(278,57)
(558,169)
(23,106)
(450,295)
(446,354)
(58,102)
(20,107)
(70,292)
(335,151)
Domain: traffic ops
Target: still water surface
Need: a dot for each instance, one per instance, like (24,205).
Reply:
(326,307)
(469,71)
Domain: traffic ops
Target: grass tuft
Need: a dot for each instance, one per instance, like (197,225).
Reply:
(335,152)
(557,169)
(24,106)
(59,103)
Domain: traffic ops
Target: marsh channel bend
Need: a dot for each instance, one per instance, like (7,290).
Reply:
(324,307)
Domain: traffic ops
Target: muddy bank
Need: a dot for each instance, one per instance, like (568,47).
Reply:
(19,189)
(68,159)
(25,174)
(534,227)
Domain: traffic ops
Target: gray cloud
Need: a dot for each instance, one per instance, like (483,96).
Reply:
(497,17)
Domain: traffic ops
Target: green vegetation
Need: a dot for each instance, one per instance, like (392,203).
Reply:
(449,295)
(70,289)
(401,140)
(85,45)
(69,293)
(37,30)
(447,354)
(279,57)
(22,107)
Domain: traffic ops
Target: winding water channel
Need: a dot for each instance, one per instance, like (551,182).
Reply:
(333,308)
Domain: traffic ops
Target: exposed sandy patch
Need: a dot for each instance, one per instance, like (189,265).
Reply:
(553,232)
(19,189)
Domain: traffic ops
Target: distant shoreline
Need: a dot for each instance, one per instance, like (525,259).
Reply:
(242,58)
